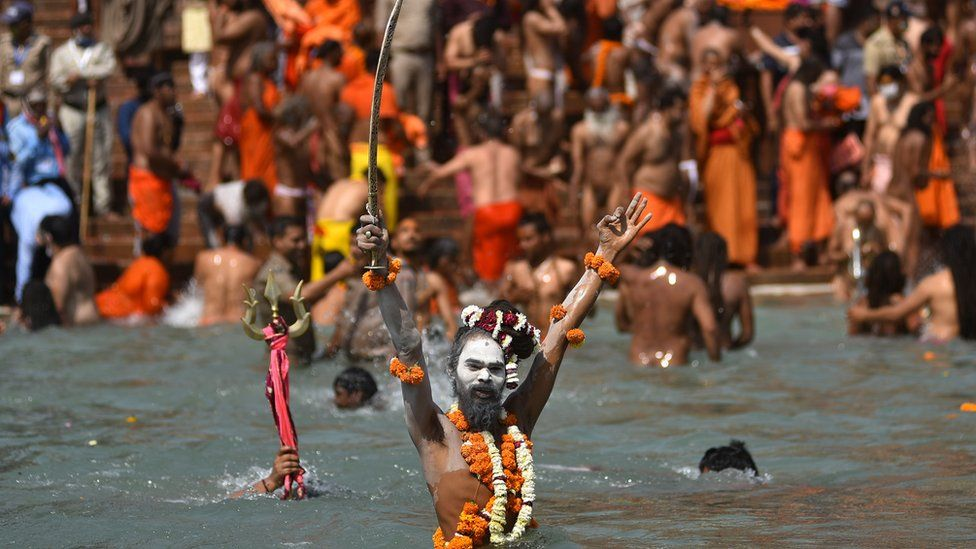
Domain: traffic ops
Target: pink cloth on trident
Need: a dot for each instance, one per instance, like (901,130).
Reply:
(276,389)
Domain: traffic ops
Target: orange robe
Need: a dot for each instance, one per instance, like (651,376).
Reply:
(728,176)
(141,290)
(353,63)
(665,211)
(358,94)
(804,180)
(257,140)
(494,241)
(152,200)
(331,20)
(938,205)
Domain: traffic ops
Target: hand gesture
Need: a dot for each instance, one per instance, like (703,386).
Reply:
(372,237)
(617,230)
(285,463)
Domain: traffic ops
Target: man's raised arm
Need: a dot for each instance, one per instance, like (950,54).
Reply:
(616,231)
(419,408)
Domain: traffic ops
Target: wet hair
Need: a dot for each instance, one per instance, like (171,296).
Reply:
(492,124)
(538,221)
(440,248)
(483,31)
(355,379)
(671,243)
(259,51)
(156,244)
(810,70)
(916,119)
(711,261)
(280,224)
(733,456)
(668,97)
(37,306)
(933,36)
(522,345)
(328,48)
(884,279)
(892,71)
(372,60)
(720,14)
(236,235)
(959,255)
(613,28)
(62,231)
(255,192)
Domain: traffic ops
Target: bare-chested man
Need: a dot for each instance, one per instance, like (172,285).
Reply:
(676,34)
(471,58)
(595,142)
(495,170)
(649,160)
(479,371)
(659,299)
(537,132)
(70,276)
(220,273)
(543,30)
(610,61)
(886,119)
(949,294)
(540,279)
(335,218)
(322,88)
(294,126)
(715,35)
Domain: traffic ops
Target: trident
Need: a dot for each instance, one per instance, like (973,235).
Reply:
(272,294)
(372,202)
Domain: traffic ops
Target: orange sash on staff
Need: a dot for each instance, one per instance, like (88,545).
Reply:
(141,290)
(938,205)
(810,215)
(494,241)
(152,199)
(664,210)
(257,140)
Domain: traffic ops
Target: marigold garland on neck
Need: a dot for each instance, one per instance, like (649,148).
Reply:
(375,282)
(508,471)
(410,375)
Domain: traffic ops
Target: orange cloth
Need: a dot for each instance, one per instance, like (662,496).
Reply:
(415,132)
(758,5)
(341,14)
(664,210)
(358,94)
(494,241)
(728,176)
(289,15)
(152,200)
(938,205)
(257,140)
(353,63)
(600,64)
(141,290)
(809,212)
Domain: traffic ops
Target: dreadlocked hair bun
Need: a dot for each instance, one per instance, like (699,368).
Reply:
(522,345)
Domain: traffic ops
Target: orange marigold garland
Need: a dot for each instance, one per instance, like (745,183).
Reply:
(557,313)
(603,268)
(509,472)
(375,282)
(576,337)
(410,375)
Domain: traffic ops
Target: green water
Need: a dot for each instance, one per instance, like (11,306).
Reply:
(855,439)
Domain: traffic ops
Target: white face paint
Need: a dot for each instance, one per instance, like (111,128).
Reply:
(481,369)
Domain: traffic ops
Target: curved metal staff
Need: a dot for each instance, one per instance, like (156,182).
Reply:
(372,201)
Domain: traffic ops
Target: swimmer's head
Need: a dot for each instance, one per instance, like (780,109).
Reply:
(236,235)
(884,279)
(288,237)
(672,243)
(534,236)
(477,368)
(256,198)
(408,238)
(57,230)
(37,306)
(354,387)
(959,254)
(733,456)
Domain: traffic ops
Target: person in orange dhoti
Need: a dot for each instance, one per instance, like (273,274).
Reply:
(330,20)
(938,205)
(609,59)
(724,135)
(803,164)
(142,288)
(259,97)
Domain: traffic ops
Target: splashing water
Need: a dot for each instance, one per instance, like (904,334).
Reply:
(186,311)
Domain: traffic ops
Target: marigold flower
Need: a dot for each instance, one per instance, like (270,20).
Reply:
(375,282)
(576,337)
(557,313)
(411,376)
(592,261)
(609,273)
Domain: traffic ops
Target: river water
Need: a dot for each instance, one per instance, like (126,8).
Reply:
(135,436)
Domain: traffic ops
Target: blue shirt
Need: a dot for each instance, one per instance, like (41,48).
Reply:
(34,158)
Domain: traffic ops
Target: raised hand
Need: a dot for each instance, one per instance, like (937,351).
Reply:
(285,463)
(619,229)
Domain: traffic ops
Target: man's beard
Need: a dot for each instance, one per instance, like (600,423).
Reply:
(482,413)
(602,124)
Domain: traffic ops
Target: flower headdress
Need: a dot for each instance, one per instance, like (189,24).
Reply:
(491,321)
